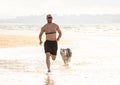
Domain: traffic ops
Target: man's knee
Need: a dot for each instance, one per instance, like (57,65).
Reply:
(48,54)
(53,57)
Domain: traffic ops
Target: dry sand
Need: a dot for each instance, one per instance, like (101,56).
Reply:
(18,40)
(22,40)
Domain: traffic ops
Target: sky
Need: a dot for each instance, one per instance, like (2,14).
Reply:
(14,8)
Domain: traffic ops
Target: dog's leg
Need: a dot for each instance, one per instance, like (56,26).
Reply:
(64,62)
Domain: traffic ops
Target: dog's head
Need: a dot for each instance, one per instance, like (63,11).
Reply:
(66,52)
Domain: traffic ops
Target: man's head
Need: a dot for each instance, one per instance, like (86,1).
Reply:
(49,18)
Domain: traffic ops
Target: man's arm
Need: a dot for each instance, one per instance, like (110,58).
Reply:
(40,36)
(59,34)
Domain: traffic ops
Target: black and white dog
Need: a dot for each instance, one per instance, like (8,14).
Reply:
(66,55)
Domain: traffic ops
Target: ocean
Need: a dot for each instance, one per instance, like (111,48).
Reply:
(95,57)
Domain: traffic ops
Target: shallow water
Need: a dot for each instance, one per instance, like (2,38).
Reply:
(26,65)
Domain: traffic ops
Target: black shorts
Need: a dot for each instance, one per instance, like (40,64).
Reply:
(51,46)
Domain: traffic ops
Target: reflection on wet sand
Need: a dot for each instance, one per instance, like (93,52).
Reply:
(49,80)
(22,65)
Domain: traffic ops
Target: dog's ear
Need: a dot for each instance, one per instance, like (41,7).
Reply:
(68,49)
(69,52)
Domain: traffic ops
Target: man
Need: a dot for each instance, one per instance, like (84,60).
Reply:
(50,45)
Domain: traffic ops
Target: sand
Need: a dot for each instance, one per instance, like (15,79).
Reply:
(18,40)
(23,40)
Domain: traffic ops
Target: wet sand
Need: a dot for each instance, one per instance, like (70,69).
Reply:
(95,61)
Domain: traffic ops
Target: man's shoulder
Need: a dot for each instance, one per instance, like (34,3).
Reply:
(44,26)
(55,24)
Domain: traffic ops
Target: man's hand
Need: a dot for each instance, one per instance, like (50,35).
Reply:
(41,42)
(57,39)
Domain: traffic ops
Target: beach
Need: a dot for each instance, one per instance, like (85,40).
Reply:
(8,40)
(18,40)
(95,57)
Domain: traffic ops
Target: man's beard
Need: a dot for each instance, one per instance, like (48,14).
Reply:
(49,21)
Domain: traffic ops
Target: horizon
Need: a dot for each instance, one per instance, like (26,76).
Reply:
(56,15)
(66,19)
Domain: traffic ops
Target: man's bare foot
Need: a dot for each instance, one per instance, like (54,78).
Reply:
(49,71)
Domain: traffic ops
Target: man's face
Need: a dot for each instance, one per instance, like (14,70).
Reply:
(49,19)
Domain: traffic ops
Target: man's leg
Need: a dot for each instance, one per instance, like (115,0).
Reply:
(53,57)
(48,61)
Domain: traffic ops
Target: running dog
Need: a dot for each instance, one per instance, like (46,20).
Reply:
(66,55)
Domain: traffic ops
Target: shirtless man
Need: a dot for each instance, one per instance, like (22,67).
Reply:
(50,45)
